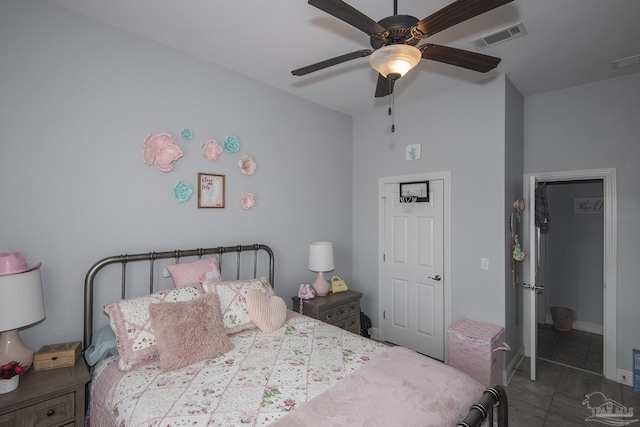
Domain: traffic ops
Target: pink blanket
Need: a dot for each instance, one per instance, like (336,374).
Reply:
(399,387)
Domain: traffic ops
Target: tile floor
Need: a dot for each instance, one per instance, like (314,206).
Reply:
(574,348)
(555,399)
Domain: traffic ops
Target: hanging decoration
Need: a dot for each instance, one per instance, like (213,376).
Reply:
(211,150)
(182,191)
(247,165)
(159,150)
(248,201)
(542,209)
(231,144)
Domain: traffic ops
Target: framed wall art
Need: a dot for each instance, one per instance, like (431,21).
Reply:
(210,191)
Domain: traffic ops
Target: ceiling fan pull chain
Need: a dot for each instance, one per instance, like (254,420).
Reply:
(392,111)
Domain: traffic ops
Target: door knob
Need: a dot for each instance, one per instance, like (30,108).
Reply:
(437,278)
(533,287)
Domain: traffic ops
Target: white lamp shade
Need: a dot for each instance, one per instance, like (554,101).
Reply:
(395,59)
(22,302)
(321,256)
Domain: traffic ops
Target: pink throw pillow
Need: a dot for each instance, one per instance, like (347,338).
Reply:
(129,320)
(191,273)
(268,312)
(233,301)
(188,332)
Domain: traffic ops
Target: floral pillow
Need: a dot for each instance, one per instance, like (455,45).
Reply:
(192,273)
(129,320)
(233,301)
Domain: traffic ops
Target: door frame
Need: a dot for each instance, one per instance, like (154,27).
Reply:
(445,176)
(610,253)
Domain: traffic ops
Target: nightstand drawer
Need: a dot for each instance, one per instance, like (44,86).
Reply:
(350,324)
(51,412)
(334,314)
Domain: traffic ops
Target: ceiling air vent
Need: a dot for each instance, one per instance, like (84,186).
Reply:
(499,36)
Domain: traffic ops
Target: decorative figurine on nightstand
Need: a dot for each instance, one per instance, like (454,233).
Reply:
(305,292)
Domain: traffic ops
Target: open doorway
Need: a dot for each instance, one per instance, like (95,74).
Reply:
(531,273)
(570,310)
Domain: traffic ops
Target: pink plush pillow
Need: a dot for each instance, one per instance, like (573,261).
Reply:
(188,332)
(191,273)
(129,320)
(233,301)
(268,312)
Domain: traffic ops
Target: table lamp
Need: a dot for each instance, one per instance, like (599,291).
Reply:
(321,260)
(21,304)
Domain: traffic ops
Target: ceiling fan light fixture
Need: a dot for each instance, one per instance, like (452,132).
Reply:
(395,59)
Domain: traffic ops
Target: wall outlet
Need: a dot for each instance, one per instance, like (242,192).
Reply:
(484,263)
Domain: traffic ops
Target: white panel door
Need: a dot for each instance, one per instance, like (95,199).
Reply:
(413,291)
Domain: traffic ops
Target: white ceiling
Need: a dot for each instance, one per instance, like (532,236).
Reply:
(569,42)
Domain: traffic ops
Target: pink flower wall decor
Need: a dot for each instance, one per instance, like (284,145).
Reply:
(211,150)
(247,165)
(159,150)
(248,201)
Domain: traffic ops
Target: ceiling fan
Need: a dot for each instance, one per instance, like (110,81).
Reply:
(394,40)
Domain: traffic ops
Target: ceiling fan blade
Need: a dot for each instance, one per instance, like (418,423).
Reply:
(350,15)
(457,12)
(330,62)
(458,57)
(384,86)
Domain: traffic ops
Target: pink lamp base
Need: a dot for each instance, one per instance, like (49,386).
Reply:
(321,286)
(13,349)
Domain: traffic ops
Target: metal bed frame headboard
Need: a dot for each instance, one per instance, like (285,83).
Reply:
(151,257)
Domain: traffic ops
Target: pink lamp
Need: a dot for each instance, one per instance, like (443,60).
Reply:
(21,304)
(321,260)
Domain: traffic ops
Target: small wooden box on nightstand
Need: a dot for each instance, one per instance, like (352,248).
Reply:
(341,309)
(52,356)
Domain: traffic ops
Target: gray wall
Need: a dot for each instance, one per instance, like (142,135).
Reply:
(77,100)
(589,127)
(514,164)
(461,131)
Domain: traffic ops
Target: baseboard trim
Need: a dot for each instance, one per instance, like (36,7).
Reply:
(581,325)
(510,370)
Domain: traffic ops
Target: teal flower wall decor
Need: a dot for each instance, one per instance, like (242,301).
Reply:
(187,134)
(182,191)
(231,144)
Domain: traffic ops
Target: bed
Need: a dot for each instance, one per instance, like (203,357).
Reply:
(206,342)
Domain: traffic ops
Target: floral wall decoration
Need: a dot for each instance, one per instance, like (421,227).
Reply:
(247,165)
(159,150)
(231,144)
(182,191)
(248,201)
(211,150)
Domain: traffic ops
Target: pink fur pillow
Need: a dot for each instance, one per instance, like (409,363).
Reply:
(191,273)
(268,312)
(188,332)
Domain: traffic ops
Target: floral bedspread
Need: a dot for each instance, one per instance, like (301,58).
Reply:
(264,377)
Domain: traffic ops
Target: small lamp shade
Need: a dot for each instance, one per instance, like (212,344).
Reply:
(321,260)
(22,304)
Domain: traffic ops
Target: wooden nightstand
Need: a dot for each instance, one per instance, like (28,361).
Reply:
(52,398)
(341,309)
